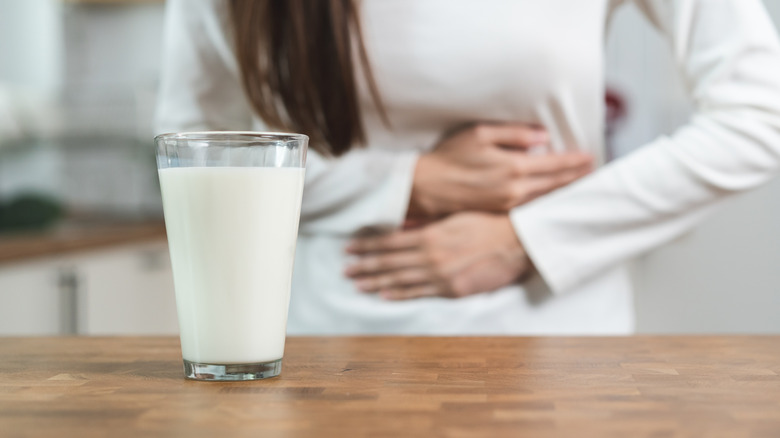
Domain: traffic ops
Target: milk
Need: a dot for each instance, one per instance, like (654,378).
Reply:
(232,233)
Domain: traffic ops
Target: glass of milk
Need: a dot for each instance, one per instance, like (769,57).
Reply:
(232,203)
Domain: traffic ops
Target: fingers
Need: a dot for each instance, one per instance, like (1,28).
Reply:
(408,293)
(536,186)
(512,136)
(389,242)
(552,163)
(394,280)
(372,264)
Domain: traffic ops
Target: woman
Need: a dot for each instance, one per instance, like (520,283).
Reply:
(449,97)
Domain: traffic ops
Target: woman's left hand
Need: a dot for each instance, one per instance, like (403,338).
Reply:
(463,254)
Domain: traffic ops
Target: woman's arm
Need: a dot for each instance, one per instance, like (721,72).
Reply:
(729,55)
(200,87)
(484,167)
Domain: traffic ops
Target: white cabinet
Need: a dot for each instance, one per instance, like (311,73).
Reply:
(31,301)
(126,290)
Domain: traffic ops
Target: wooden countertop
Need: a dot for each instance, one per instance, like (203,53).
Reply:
(75,237)
(401,386)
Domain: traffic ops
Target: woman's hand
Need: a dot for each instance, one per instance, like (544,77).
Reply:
(486,167)
(464,254)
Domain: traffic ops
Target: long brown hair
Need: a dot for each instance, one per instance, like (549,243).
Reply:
(296,64)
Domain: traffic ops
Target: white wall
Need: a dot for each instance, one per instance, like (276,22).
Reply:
(77,91)
(97,64)
(723,277)
(30,43)
(30,66)
(111,67)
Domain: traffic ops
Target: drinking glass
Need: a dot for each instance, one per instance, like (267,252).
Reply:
(232,204)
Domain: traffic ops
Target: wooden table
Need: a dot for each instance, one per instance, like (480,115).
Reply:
(401,386)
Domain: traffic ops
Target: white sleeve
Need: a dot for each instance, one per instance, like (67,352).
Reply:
(728,53)
(201,89)
(362,189)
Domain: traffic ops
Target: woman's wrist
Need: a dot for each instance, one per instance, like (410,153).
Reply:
(421,203)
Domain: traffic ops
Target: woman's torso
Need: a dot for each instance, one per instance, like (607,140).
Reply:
(440,65)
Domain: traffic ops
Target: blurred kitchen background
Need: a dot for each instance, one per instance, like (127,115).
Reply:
(82,245)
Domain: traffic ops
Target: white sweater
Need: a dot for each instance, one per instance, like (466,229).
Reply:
(443,63)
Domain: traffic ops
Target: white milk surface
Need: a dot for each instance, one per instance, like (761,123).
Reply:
(232,233)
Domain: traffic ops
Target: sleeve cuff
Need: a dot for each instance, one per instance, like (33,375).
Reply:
(397,190)
(536,237)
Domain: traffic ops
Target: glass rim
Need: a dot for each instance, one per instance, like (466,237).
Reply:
(248,136)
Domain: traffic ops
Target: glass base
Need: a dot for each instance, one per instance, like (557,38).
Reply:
(232,372)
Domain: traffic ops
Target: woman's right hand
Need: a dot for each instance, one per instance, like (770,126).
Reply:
(487,167)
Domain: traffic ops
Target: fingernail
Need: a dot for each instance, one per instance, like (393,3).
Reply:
(351,270)
(363,285)
(584,160)
(541,137)
(537,150)
(386,295)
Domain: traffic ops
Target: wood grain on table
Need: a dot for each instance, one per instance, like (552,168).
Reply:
(401,386)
